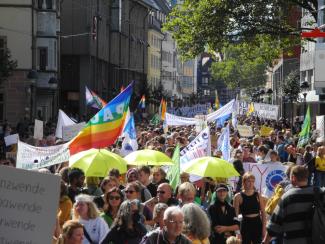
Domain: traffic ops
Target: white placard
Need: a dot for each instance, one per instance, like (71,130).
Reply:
(70,131)
(63,120)
(28,206)
(320,127)
(30,157)
(201,123)
(245,131)
(38,129)
(12,139)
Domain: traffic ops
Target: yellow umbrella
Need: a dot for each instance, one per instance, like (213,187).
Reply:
(211,167)
(97,162)
(148,157)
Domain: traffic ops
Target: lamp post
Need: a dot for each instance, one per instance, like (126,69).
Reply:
(32,77)
(53,84)
(304,88)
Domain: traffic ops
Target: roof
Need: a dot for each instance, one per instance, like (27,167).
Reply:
(150,4)
(163,5)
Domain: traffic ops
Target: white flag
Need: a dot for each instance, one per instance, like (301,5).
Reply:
(223,111)
(63,120)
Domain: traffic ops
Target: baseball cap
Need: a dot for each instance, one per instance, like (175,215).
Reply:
(222,187)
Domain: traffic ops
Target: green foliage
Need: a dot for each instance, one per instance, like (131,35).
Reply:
(7,65)
(214,24)
(291,86)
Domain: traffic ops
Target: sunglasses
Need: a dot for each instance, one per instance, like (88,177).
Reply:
(129,192)
(114,198)
(161,192)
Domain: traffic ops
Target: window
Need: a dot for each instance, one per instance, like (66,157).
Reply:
(205,80)
(3,45)
(49,4)
(42,58)
(1,106)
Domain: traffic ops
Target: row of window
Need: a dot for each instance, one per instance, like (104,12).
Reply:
(46,4)
(154,62)
(155,41)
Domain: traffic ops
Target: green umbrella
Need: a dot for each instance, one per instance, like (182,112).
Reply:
(211,167)
(148,157)
(97,162)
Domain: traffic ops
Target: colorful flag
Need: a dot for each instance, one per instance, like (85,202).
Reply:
(155,120)
(142,103)
(251,109)
(217,102)
(173,174)
(93,100)
(106,126)
(224,143)
(163,109)
(129,143)
(304,134)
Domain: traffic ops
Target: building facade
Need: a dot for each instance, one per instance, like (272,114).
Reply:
(28,29)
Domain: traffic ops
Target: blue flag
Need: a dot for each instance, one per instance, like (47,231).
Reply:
(224,143)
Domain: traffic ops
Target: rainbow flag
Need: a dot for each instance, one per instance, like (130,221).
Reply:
(142,103)
(105,127)
(93,100)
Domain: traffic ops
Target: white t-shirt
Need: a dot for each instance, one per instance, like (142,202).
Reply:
(97,229)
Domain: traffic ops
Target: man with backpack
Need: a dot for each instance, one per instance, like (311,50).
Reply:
(293,216)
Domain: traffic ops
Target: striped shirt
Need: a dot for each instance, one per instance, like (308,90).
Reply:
(292,216)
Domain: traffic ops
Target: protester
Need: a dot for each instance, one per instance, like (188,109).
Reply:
(113,199)
(164,195)
(196,224)
(92,187)
(86,212)
(158,215)
(320,167)
(172,232)
(291,218)
(223,217)
(249,203)
(65,205)
(128,226)
(106,185)
(72,233)
(186,193)
(144,175)
(76,182)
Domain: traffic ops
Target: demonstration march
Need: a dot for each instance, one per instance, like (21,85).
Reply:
(228,174)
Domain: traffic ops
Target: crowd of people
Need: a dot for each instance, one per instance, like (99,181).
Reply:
(142,207)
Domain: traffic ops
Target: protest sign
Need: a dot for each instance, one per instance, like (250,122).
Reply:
(30,157)
(201,123)
(70,131)
(174,120)
(265,130)
(12,139)
(190,111)
(267,176)
(266,111)
(38,129)
(245,131)
(199,147)
(320,128)
(28,206)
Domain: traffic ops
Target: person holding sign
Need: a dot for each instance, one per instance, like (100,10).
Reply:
(250,205)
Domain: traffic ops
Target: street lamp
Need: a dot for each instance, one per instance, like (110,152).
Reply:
(304,88)
(32,77)
(53,84)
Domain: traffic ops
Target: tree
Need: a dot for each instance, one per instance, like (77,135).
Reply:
(214,24)
(291,86)
(7,65)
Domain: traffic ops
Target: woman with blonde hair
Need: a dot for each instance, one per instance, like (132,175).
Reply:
(196,224)
(86,213)
(250,204)
(320,167)
(72,233)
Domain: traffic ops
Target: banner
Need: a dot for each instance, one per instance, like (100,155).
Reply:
(266,131)
(190,111)
(201,123)
(174,120)
(63,120)
(266,111)
(320,128)
(12,139)
(267,176)
(38,129)
(30,157)
(199,147)
(70,131)
(28,206)
(245,130)
(223,111)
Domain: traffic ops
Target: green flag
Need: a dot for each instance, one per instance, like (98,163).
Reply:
(305,131)
(155,120)
(173,174)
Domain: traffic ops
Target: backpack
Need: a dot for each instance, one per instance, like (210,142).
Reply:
(318,216)
(273,201)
